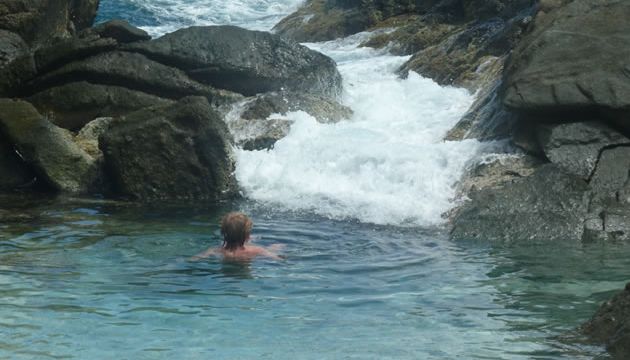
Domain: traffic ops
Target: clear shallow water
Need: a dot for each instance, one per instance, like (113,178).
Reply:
(98,281)
(93,281)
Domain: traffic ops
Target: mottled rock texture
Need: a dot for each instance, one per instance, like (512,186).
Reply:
(247,62)
(175,152)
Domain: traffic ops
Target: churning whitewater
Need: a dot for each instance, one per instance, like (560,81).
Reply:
(387,164)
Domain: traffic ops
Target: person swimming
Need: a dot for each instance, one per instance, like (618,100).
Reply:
(236,230)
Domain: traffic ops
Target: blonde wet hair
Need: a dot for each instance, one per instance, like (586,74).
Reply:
(235,228)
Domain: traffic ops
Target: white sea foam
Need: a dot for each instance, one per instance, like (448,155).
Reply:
(385,165)
(171,15)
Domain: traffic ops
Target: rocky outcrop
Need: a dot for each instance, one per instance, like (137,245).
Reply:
(566,90)
(131,70)
(547,206)
(119,30)
(575,59)
(247,62)
(610,326)
(48,149)
(75,104)
(576,147)
(449,40)
(176,152)
(39,21)
(322,20)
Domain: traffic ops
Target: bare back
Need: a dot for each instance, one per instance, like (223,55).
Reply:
(246,252)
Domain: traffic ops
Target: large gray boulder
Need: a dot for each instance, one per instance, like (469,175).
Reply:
(547,206)
(176,152)
(575,58)
(244,61)
(72,105)
(610,326)
(130,70)
(48,149)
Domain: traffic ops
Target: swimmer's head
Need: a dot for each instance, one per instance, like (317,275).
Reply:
(235,228)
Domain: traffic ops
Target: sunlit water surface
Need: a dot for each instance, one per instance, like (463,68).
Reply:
(91,281)
(369,271)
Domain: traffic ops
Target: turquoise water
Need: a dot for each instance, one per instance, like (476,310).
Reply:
(100,281)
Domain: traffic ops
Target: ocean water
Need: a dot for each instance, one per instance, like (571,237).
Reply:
(88,280)
(369,271)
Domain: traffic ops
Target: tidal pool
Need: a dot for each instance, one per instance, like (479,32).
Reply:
(91,280)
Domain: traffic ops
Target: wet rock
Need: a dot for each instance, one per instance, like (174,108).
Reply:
(72,105)
(14,172)
(319,20)
(487,119)
(323,109)
(547,206)
(88,137)
(48,149)
(254,136)
(121,31)
(16,63)
(39,21)
(176,152)
(71,49)
(133,71)
(497,170)
(455,59)
(576,147)
(575,58)
(610,325)
(11,47)
(612,170)
(244,61)
(255,127)
(410,35)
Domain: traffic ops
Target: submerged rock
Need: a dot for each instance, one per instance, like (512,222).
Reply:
(610,326)
(176,152)
(244,61)
(48,149)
